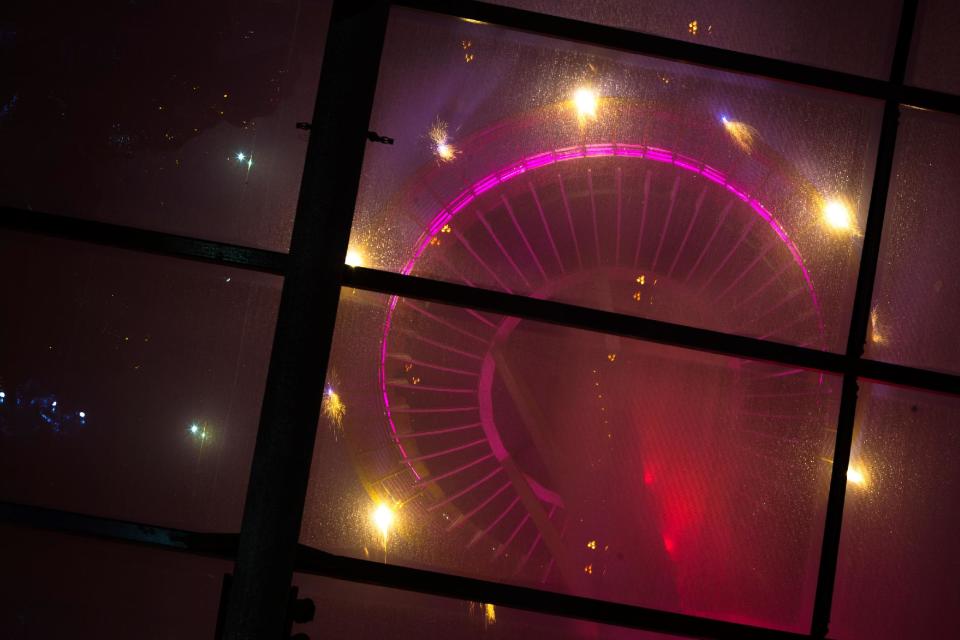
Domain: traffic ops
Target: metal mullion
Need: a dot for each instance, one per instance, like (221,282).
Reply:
(702,55)
(316,562)
(219,545)
(905,376)
(258,599)
(856,338)
(590,319)
(678,335)
(143,240)
(928,99)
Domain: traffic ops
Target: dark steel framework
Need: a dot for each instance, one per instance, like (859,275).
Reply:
(267,551)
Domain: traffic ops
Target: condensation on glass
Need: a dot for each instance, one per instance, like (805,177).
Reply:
(130,384)
(572,461)
(896,577)
(172,119)
(856,36)
(354,610)
(554,170)
(916,300)
(935,56)
(62,586)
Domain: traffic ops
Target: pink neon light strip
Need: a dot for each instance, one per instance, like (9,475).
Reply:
(569,153)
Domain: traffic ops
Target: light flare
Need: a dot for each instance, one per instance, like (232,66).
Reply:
(354,258)
(856,476)
(837,215)
(585,101)
(383,518)
(875,335)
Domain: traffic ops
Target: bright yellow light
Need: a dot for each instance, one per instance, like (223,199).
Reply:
(383,518)
(354,258)
(837,215)
(856,476)
(490,613)
(585,101)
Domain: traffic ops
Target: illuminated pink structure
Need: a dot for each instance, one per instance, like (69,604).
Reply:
(669,232)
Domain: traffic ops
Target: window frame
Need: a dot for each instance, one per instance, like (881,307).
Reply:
(267,549)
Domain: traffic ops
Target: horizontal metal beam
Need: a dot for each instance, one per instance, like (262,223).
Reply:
(677,335)
(156,242)
(315,562)
(693,53)
(221,545)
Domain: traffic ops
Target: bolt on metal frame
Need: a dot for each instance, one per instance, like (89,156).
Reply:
(267,550)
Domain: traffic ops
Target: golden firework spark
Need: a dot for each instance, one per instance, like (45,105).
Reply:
(743,134)
(333,408)
(487,610)
(440,141)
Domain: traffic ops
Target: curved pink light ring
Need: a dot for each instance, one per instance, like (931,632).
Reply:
(559,155)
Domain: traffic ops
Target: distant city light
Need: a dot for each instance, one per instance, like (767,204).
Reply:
(2,395)
(837,215)
(249,163)
(82,414)
(585,101)
(241,156)
(354,258)
(194,428)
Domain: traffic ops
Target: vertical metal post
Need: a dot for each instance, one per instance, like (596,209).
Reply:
(258,599)
(856,338)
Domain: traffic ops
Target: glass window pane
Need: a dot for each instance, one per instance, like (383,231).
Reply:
(917,296)
(935,60)
(572,461)
(896,577)
(177,117)
(131,384)
(856,36)
(353,610)
(555,170)
(62,586)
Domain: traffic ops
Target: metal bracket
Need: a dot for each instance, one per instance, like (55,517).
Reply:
(373,136)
